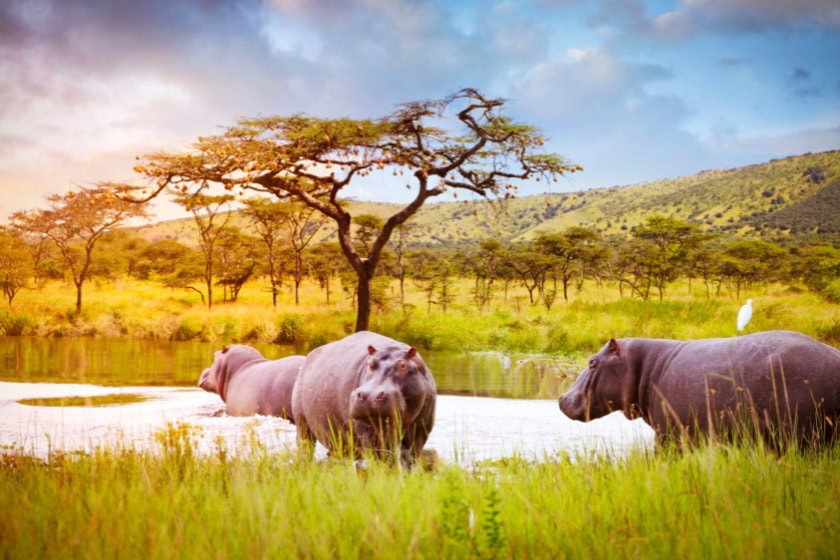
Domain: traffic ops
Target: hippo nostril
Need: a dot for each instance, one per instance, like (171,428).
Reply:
(360,396)
(380,396)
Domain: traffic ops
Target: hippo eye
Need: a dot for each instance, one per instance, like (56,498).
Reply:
(401,368)
(593,363)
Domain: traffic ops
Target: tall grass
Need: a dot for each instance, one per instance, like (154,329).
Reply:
(711,502)
(148,310)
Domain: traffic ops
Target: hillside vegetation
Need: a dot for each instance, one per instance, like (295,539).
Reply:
(796,198)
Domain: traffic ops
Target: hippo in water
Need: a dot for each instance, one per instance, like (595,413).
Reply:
(250,384)
(365,392)
(778,384)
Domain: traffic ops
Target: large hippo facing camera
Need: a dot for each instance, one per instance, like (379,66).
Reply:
(778,384)
(365,392)
(250,384)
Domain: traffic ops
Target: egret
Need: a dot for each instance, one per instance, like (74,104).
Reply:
(744,315)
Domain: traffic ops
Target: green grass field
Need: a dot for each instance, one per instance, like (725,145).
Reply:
(713,502)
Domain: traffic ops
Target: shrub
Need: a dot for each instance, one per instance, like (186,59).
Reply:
(12,324)
(290,329)
(186,331)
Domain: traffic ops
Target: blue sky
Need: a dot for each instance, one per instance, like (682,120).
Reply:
(633,90)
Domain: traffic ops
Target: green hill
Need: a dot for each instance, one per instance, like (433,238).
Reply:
(796,198)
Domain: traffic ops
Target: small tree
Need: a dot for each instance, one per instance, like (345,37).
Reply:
(236,260)
(485,266)
(399,250)
(82,217)
(671,242)
(532,268)
(16,267)
(162,258)
(324,262)
(571,248)
(211,214)
(267,220)
(463,142)
(749,261)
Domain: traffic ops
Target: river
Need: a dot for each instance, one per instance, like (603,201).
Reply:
(467,429)
(123,403)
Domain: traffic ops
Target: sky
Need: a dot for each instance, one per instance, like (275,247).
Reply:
(632,90)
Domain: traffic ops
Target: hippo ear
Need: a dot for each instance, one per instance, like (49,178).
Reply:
(225,348)
(613,348)
(371,350)
(411,353)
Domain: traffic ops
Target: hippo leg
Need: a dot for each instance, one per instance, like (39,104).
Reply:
(305,439)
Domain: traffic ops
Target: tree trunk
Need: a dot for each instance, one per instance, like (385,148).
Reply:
(363,302)
(298,276)
(209,293)
(78,298)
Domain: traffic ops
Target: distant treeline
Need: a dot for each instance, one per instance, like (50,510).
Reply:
(642,265)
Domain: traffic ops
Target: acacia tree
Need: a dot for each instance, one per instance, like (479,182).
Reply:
(672,241)
(324,261)
(75,222)
(281,225)
(267,219)
(16,268)
(302,223)
(211,214)
(532,268)
(236,259)
(571,248)
(462,142)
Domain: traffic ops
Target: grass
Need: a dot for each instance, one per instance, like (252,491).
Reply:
(128,308)
(713,501)
(168,502)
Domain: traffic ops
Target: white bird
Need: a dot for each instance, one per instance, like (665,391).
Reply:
(744,315)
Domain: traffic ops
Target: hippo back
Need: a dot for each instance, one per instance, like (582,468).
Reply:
(264,387)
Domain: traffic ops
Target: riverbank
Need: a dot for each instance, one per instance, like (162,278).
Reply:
(509,323)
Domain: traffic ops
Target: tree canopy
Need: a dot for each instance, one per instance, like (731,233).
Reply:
(463,142)
(75,222)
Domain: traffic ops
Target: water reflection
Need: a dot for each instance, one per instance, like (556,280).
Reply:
(101,400)
(103,361)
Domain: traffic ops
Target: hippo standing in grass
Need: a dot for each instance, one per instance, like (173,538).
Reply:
(250,384)
(365,392)
(782,385)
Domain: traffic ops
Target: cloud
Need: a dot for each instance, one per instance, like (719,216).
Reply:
(801,84)
(692,17)
(587,86)
(85,86)
(606,116)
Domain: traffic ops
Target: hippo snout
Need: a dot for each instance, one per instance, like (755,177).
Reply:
(376,402)
(205,382)
(572,405)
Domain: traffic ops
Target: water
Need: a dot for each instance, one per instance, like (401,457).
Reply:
(112,398)
(124,361)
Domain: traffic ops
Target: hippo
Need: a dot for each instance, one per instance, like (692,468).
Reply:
(779,385)
(365,393)
(250,384)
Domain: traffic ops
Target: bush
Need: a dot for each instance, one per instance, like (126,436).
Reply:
(290,329)
(12,324)
(831,291)
(186,331)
